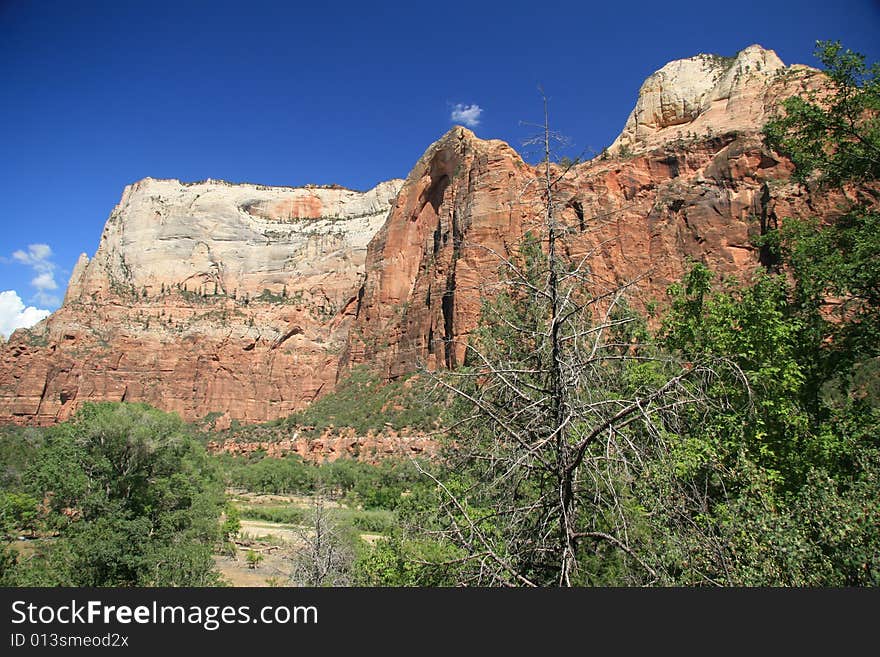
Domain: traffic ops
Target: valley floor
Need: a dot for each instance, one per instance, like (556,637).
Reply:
(276,542)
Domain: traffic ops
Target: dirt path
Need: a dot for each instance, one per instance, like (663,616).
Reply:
(272,571)
(270,539)
(261,529)
(276,541)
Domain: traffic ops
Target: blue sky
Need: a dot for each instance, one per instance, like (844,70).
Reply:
(96,95)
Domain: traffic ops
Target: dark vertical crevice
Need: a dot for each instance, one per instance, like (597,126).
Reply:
(768,253)
(579,212)
(448,304)
(437,237)
(448,308)
(360,298)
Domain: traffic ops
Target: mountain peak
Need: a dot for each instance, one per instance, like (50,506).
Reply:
(700,95)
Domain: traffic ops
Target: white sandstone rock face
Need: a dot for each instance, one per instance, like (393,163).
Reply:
(202,298)
(214,237)
(698,96)
(75,284)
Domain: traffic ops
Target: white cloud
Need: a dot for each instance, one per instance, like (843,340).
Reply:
(45,281)
(47,299)
(39,258)
(469,115)
(14,315)
(36,253)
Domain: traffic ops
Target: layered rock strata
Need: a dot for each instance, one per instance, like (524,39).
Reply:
(202,298)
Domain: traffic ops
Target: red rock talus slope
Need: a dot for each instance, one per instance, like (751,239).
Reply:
(333,444)
(687,180)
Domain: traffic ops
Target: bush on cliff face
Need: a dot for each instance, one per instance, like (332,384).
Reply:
(364,402)
(129,499)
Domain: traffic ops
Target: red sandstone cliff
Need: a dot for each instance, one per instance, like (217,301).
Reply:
(688,180)
(245,300)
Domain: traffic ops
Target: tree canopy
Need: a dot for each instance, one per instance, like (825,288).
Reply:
(126,498)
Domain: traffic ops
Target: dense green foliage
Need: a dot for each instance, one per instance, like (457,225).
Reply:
(835,143)
(269,475)
(365,403)
(790,472)
(359,483)
(834,136)
(127,498)
(415,553)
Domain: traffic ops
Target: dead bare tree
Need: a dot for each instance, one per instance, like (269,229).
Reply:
(559,407)
(322,554)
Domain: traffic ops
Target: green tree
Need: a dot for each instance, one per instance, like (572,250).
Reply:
(132,496)
(785,470)
(231,522)
(253,559)
(18,512)
(833,137)
(833,133)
